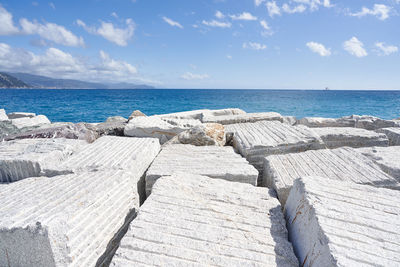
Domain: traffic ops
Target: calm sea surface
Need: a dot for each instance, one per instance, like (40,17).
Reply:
(97,105)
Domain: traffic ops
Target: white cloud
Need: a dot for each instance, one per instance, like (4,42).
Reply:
(386,49)
(51,4)
(264,24)
(172,23)
(380,11)
(190,76)
(114,14)
(243,16)
(228,56)
(52,32)
(219,14)
(355,47)
(297,9)
(319,49)
(259,2)
(254,46)
(314,4)
(57,63)
(7,26)
(214,23)
(107,30)
(273,9)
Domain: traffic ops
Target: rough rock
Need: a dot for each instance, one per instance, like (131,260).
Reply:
(334,137)
(257,140)
(30,122)
(387,158)
(182,123)
(17,115)
(327,122)
(373,123)
(7,128)
(136,113)
(116,119)
(208,134)
(3,115)
(21,159)
(343,224)
(153,127)
(393,134)
(291,120)
(242,118)
(114,153)
(192,220)
(344,164)
(56,130)
(66,220)
(199,114)
(115,128)
(212,161)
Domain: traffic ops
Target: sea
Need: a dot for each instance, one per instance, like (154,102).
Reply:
(97,105)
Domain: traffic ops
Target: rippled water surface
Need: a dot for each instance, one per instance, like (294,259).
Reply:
(97,105)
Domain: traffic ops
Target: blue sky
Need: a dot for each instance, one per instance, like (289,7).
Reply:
(287,44)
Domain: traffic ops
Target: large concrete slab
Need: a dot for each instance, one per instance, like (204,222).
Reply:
(344,164)
(343,224)
(26,122)
(66,220)
(20,159)
(243,118)
(393,134)
(212,161)
(334,137)
(387,158)
(327,122)
(199,114)
(257,140)
(192,220)
(114,153)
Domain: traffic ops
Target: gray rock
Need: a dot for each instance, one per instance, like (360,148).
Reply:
(242,118)
(387,158)
(334,137)
(327,122)
(373,123)
(34,157)
(208,134)
(153,127)
(343,224)
(116,119)
(3,115)
(136,113)
(291,120)
(25,122)
(115,128)
(212,161)
(257,140)
(199,114)
(55,130)
(66,220)
(192,220)
(7,128)
(17,115)
(393,134)
(337,164)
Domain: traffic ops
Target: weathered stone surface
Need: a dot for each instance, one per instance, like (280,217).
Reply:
(208,134)
(114,153)
(242,118)
(327,122)
(116,119)
(373,123)
(182,123)
(7,128)
(108,128)
(34,157)
(3,115)
(30,122)
(393,134)
(291,120)
(66,220)
(199,114)
(153,127)
(387,158)
(257,140)
(343,224)
(337,164)
(56,130)
(17,115)
(212,161)
(136,113)
(192,220)
(334,137)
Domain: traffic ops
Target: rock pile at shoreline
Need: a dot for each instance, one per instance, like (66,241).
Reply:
(202,187)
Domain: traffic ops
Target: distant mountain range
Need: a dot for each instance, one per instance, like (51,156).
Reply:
(25,80)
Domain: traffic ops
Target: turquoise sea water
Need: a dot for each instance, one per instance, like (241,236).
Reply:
(97,105)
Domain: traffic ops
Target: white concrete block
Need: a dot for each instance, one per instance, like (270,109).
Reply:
(199,114)
(393,134)
(243,118)
(25,122)
(326,122)
(3,115)
(192,220)
(339,223)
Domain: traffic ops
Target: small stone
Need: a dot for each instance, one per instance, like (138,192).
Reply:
(209,134)
(136,113)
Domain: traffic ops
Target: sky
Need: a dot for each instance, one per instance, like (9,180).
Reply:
(238,44)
